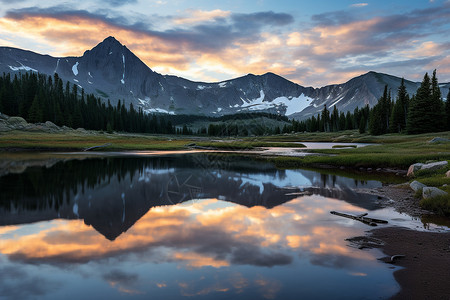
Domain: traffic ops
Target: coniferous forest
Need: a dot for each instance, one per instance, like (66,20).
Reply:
(39,98)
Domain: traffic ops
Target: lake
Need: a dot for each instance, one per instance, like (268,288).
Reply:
(186,225)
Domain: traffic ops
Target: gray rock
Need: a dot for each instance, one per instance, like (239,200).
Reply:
(434,166)
(413,168)
(432,192)
(16,121)
(429,167)
(438,140)
(415,185)
(51,125)
(3,117)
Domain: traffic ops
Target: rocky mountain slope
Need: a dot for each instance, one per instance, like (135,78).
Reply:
(111,71)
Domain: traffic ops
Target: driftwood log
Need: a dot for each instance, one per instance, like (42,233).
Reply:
(360,218)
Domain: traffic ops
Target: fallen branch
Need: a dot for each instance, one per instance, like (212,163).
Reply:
(361,218)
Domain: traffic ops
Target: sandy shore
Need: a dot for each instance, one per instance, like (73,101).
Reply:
(426,273)
(426,261)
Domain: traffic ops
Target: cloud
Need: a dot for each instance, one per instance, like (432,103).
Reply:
(217,45)
(119,2)
(17,282)
(197,16)
(359,5)
(263,18)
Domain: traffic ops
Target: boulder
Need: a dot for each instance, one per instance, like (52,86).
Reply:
(438,140)
(429,167)
(447,174)
(51,125)
(413,168)
(415,185)
(435,166)
(432,192)
(17,121)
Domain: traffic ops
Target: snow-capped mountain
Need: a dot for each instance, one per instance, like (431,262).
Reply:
(111,71)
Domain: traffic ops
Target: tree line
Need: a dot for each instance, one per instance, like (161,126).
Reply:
(424,112)
(39,98)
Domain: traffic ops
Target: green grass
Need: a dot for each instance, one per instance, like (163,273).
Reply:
(19,140)
(441,204)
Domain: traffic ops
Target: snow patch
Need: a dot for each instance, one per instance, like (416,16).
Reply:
(158,110)
(338,100)
(201,87)
(144,102)
(89,73)
(22,67)
(219,109)
(57,64)
(162,88)
(75,80)
(292,104)
(223,84)
(123,75)
(75,69)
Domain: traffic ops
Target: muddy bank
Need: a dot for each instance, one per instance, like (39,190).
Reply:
(426,262)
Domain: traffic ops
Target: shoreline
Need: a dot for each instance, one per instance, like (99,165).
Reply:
(426,261)
(426,264)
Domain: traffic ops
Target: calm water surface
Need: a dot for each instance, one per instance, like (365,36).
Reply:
(196,226)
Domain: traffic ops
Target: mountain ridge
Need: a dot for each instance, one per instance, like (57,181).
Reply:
(111,71)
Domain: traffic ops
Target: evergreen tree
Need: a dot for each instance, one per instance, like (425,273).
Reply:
(426,112)
(379,116)
(35,113)
(362,125)
(400,110)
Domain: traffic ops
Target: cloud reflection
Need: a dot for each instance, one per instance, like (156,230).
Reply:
(206,233)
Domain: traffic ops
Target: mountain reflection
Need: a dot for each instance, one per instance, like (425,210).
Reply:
(112,193)
(192,225)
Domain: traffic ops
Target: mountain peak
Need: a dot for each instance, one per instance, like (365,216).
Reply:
(111,41)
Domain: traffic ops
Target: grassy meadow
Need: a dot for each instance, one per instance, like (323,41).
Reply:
(393,151)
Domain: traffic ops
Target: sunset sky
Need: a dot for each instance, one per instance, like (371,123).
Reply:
(313,43)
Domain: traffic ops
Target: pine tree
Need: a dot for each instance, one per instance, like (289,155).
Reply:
(400,110)
(362,125)
(35,113)
(379,116)
(426,113)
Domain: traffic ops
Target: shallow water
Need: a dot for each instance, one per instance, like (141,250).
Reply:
(188,225)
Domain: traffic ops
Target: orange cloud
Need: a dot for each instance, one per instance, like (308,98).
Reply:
(198,16)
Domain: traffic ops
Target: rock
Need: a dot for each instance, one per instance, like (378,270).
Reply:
(434,166)
(51,125)
(415,185)
(17,121)
(413,168)
(437,140)
(369,169)
(432,192)
(378,169)
(3,117)
(447,174)
(428,167)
